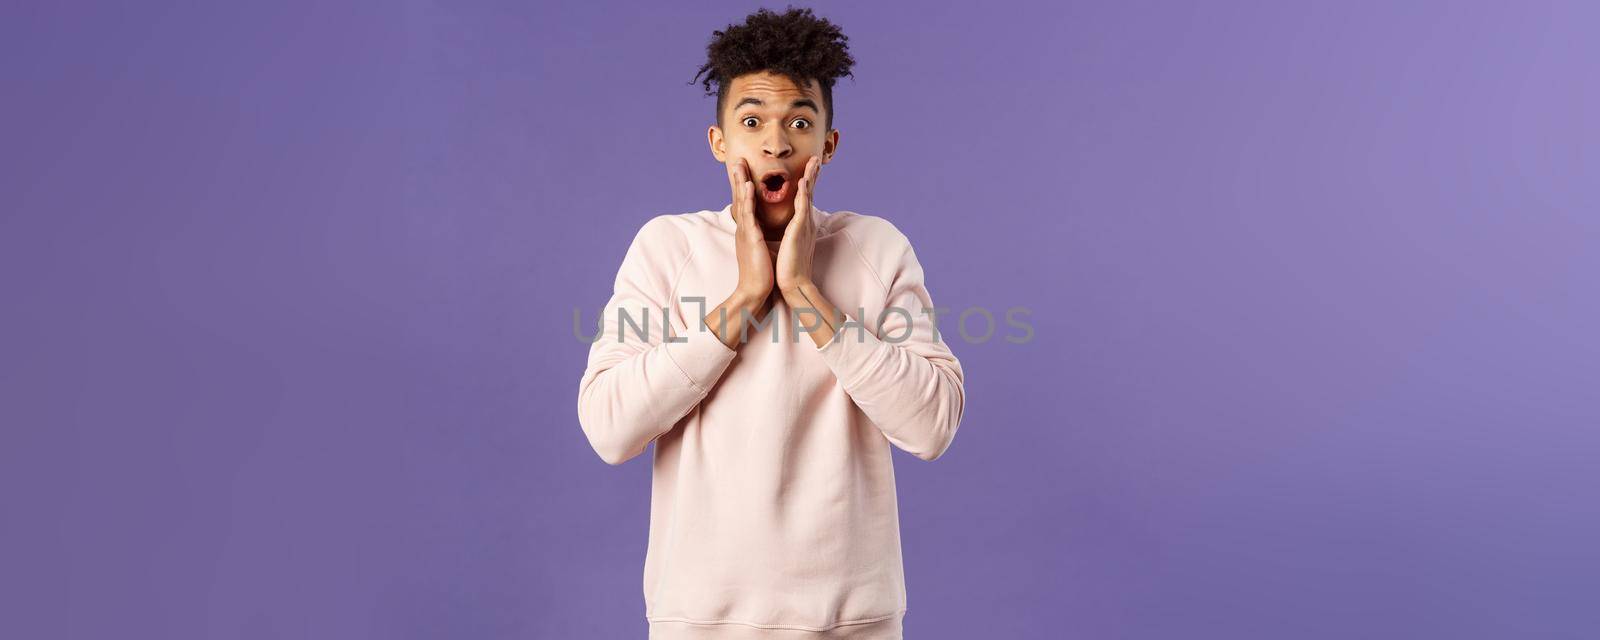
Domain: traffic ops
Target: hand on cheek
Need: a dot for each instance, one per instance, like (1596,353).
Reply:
(799,237)
(793,269)
(755,260)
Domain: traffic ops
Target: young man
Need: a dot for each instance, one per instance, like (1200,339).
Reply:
(802,347)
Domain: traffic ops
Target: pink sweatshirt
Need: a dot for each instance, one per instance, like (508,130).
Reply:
(773,511)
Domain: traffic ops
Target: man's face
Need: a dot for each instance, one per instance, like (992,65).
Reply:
(776,127)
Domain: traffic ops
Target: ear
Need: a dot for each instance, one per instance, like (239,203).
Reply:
(719,144)
(830,145)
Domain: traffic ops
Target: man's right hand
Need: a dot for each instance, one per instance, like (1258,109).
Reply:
(756,277)
(752,297)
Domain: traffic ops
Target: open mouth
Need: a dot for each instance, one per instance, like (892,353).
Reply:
(774,187)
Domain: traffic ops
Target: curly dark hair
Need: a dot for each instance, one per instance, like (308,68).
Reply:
(795,44)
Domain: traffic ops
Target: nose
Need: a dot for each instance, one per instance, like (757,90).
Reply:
(776,144)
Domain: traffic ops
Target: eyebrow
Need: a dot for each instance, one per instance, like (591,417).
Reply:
(802,102)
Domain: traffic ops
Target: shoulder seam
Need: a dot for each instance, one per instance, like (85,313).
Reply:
(863,256)
(672,295)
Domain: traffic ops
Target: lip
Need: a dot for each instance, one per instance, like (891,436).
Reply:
(774,197)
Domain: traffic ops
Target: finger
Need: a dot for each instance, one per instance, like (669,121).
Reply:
(750,187)
(746,196)
(803,197)
(750,208)
(733,183)
(739,189)
(738,171)
(802,207)
(808,184)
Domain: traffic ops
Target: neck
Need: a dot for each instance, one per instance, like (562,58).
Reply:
(774,219)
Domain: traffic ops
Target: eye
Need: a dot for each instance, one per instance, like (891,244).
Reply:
(746,121)
(800,120)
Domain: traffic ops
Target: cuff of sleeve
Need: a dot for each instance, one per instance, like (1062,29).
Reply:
(700,355)
(850,347)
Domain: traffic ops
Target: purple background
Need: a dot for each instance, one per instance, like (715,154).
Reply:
(288,297)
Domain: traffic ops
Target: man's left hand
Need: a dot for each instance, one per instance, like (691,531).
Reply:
(793,268)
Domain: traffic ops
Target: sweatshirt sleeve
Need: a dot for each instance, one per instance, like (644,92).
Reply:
(903,377)
(639,382)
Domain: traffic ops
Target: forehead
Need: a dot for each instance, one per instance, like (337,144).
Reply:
(776,90)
